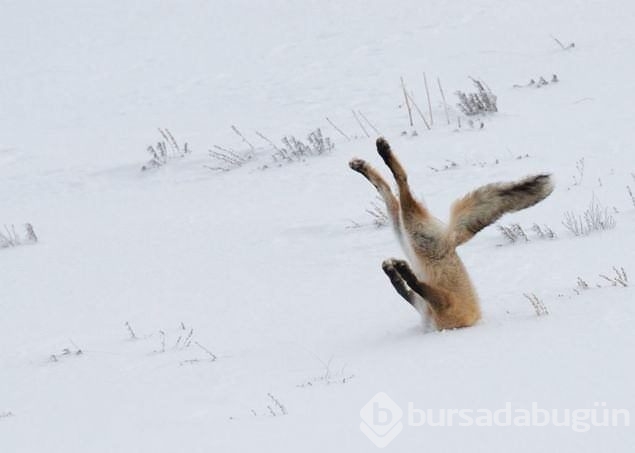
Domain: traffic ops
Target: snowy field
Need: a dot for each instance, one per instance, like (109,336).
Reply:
(189,309)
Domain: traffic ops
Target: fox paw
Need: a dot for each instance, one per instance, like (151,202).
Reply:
(401,266)
(389,264)
(359,165)
(383,148)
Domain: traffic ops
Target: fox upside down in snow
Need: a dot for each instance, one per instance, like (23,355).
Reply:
(438,285)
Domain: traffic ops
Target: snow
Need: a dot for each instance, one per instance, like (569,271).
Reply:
(263,265)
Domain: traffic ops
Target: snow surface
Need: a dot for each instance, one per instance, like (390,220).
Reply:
(263,264)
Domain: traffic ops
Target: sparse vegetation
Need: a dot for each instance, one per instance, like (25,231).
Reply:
(295,150)
(594,218)
(274,407)
(538,305)
(514,232)
(9,236)
(184,340)
(618,279)
(477,103)
(329,377)
(542,81)
(290,150)
(579,165)
(544,232)
(164,151)
(451,165)
(378,215)
(66,352)
(581,285)
(227,159)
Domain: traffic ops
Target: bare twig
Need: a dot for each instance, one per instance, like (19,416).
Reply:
(562,46)
(235,129)
(368,122)
(162,334)
(418,110)
(338,129)
(213,356)
(272,144)
(425,82)
(133,336)
(445,104)
(360,124)
(405,95)
(630,193)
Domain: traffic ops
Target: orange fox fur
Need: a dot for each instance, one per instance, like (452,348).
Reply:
(438,285)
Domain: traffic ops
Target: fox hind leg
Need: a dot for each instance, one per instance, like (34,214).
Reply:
(423,230)
(392,204)
(409,204)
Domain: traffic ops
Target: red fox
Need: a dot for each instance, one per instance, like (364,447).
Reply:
(438,285)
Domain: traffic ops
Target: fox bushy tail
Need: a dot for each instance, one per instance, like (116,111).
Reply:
(488,203)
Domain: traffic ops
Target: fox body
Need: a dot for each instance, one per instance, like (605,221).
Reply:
(436,282)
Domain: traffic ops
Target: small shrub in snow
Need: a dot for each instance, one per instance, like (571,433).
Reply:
(538,305)
(581,285)
(295,150)
(378,215)
(164,151)
(6,414)
(630,194)
(513,232)
(11,238)
(329,376)
(543,232)
(594,218)
(290,150)
(184,341)
(480,102)
(227,159)
(619,279)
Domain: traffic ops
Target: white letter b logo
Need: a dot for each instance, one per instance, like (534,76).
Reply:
(381,420)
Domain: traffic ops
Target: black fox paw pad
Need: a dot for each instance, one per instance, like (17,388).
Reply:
(358,165)
(383,148)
